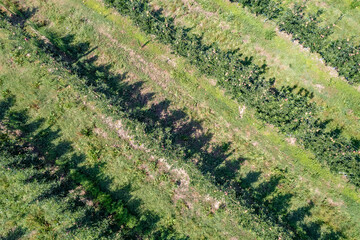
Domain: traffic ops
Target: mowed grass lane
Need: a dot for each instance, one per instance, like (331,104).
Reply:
(213,109)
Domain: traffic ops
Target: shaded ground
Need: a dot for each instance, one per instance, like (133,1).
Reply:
(177,130)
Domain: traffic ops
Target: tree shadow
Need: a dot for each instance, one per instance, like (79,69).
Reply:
(5,105)
(56,164)
(257,196)
(16,234)
(313,230)
(266,201)
(20,16)
(177,131)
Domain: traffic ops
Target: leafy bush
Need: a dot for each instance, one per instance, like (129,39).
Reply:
(291,111)
(269,8)
(243,79)
(342,54)
(354,4)
(18,152)
(270,34)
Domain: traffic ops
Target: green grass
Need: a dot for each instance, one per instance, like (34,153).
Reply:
(27,215)
(347,27)
(127,173)
(192,94)
(233,27)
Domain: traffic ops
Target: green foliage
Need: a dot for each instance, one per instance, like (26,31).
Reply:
(269,8)
(122,211)
(305,29)
(354,4)
(50,199)
(116,208)
(270,34)
(26,212)
(291,111)
(342,54)
(18,156)
(114,213)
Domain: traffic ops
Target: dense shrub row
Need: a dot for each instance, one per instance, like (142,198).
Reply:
(17,148)
(129,223)
(342,54)
(266,210)
(133,225)
(269,8)
(25,181)
(287,108)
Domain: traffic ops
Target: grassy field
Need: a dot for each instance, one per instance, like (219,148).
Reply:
(167,110)
(347,27)
(71,128)
(233,27)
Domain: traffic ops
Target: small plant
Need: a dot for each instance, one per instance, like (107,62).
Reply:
(270,34)
(94,152)
(342,54)
(86,131)
(52,118)
(290,110)
(354,4)
(1,80)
